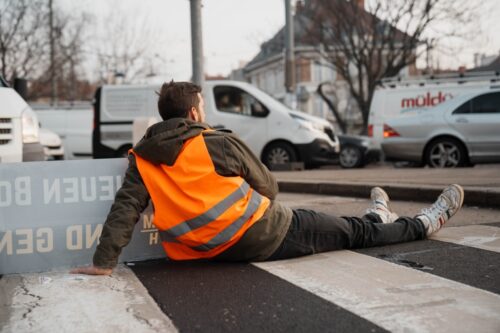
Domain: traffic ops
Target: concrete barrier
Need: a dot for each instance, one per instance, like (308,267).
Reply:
(52,213)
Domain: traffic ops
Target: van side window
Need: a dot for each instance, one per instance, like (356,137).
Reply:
(464,108)
(234,100)
(487,103)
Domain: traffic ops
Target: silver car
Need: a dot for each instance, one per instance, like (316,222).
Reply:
(459,132)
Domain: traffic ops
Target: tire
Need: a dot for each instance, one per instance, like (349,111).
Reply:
(350,157)
(279,153)
(123,150)
(446,153)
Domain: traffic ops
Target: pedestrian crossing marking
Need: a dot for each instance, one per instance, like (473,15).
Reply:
(483,237)
(394,297)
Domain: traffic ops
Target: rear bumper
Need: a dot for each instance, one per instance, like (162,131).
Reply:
(33,152)
(318,152)
(403,150)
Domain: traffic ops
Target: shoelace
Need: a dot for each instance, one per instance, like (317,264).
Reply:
(436,210)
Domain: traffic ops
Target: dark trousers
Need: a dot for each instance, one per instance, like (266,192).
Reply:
(313,232)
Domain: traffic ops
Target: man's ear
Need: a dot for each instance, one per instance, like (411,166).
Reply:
(193,114)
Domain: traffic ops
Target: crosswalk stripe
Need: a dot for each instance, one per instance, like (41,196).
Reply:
(479,236)
(397,298)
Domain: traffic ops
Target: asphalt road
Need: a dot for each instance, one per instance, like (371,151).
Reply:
(304,295)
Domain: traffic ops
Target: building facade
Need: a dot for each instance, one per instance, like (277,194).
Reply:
(266,71)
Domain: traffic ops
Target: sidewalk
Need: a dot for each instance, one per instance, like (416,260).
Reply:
(481,183)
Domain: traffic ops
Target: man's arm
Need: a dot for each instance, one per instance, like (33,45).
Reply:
(130,200)
(231,156)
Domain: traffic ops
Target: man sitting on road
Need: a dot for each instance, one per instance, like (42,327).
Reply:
(214,199)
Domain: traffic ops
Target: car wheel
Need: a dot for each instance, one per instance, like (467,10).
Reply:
(446,153)
(279,153)
(350,157)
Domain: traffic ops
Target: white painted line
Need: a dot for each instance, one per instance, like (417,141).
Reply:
(479,236)
(397,298)
(61,302)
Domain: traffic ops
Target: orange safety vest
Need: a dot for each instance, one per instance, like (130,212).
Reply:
(199,213)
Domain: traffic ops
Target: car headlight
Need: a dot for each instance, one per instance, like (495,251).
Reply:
(30,128)
(309,125)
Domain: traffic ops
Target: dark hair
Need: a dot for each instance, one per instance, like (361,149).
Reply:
(177,98)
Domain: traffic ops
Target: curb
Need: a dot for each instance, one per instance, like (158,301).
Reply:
(479,198)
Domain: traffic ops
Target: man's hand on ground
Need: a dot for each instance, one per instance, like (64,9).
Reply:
(92,270)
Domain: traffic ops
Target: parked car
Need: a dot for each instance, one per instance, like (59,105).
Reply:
(396,97)
(356,151)
(459,132)
(72,123)
(52,145)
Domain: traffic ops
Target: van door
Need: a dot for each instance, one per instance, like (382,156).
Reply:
(241,112)
(479,121)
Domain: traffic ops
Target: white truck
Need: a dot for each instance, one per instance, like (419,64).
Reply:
(396,97)
(19,131)
(275,133)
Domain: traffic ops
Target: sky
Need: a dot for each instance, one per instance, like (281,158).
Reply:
(234,29)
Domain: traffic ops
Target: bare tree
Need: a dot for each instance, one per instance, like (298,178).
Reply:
(25,45)
(366,42)
(126,45)
(23,48)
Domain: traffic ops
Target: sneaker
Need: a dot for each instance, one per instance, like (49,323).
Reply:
(447,204)
(381,206)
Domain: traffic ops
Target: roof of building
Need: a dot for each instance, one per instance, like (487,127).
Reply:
(275,46)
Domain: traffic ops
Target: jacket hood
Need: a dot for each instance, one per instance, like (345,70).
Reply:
(163,141)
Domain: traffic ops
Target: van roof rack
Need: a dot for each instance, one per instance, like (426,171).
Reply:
(459,78)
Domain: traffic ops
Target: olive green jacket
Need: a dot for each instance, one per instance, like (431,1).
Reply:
(230,156)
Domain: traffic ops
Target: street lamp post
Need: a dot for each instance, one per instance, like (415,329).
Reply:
(289,56)
(197,42)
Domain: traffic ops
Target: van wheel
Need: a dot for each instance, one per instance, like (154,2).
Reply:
(123,150)
(350,157)
(279,153)
(446,153)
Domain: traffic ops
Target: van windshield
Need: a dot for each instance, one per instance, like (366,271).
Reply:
(267,99)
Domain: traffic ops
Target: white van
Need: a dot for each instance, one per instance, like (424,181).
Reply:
(395,98)
(274,132)
(73,123)
(19,131)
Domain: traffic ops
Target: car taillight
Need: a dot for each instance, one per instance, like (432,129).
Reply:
(370,130)
(389,131)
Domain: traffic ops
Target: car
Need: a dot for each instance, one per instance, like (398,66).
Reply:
(460,132)
(356,151)
(52,145)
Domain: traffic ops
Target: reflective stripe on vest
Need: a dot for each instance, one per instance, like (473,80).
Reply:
(199,213)
(223,236)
